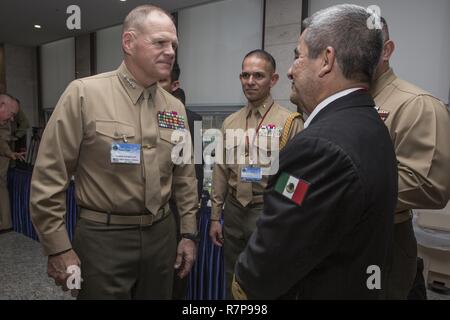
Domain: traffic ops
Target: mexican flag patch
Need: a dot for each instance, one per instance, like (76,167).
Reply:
(292,187)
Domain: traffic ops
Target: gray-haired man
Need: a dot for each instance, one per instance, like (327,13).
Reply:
(327,221)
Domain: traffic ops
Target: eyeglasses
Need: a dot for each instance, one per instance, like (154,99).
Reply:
(256,75)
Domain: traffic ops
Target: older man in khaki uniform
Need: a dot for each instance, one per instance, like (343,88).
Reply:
(5,211)
(9,107)
(115,133)
(240,186)
(419,125)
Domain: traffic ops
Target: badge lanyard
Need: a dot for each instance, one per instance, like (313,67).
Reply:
(247,141)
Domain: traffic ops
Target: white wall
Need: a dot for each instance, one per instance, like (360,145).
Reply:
(21,78)
(57,69)
(283,27)
(109,49)
(214,39)
(421,32)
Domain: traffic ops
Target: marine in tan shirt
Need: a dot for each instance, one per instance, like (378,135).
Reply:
(114,133)
(236,184)
(9,107)
(419,125)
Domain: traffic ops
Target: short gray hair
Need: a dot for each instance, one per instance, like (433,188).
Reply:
(137,17)
(344,27)
(6,96)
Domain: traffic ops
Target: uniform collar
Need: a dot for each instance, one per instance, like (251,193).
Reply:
(262,108)
(384,80)
(132,87)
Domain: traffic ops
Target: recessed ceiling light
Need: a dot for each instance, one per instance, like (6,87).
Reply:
(37,26)
(123,0)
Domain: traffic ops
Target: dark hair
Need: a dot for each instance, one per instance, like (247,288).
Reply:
(180,95)
(263,55)
(175,73)
(345,28)
(384,29)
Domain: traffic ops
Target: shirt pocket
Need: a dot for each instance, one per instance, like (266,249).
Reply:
(165,147)
(115,130)
(166,137)
(170,138)
(267,148)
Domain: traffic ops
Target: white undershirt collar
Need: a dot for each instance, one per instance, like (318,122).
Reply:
(327,101)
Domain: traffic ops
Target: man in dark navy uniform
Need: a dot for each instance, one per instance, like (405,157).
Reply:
(328,214)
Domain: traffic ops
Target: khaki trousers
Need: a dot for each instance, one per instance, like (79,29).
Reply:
(239,224)
(5,211)
(126,262)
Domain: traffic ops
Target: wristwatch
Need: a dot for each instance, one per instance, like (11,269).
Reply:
(191,236)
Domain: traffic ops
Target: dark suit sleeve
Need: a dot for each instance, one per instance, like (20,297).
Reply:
(192,117)
(291,239)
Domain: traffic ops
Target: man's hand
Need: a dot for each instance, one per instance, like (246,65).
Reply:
(186,255)
(17,156)
(57,268)
(215,233)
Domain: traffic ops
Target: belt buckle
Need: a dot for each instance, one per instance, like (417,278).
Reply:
(142,217)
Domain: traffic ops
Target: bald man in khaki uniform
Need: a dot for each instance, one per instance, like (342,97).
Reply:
(5,212)
(419,125)
(243,195)
(9,107)
(115,133)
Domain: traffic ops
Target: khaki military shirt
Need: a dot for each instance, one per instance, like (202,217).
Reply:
(419,125)
(21,124)
(5,136)
(227,177)
(91,114)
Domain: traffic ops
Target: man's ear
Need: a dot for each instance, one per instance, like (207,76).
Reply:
(127,41)
(328,58)
(175,85)
(274,79)
(388,50)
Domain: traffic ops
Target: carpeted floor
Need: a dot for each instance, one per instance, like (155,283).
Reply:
(23,272)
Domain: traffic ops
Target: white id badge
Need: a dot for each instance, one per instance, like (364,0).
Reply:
(251,174)
(128,153)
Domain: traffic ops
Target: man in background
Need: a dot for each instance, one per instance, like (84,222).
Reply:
(419,126)
(19,131)
(328,214)
(240,186)
(9,108)
(172,85)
